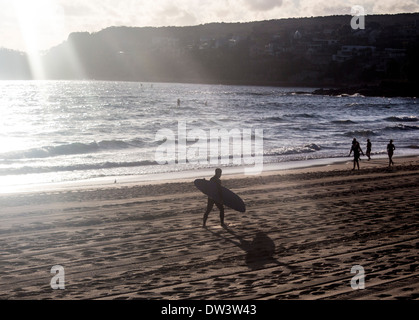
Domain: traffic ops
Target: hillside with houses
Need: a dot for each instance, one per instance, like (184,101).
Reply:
(316,52)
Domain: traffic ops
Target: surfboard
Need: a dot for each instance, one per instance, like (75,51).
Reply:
(231,199)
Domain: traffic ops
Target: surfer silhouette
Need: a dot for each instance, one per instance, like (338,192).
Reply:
(368,153)
(211,202)
(390,151)
(356,149)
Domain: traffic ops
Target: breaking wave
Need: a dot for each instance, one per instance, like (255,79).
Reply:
(75,167)
(360,133)
(71,149)
(295,150)
(401,127)
(343,122)
(402,119)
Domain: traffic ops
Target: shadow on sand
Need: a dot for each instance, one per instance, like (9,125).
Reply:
(259,252)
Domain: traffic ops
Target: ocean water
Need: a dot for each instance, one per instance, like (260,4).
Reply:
(57,131)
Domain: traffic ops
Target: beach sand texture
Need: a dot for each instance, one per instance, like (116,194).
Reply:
(302,233)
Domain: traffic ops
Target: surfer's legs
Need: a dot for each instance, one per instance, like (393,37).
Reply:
(221,208)
(210,205)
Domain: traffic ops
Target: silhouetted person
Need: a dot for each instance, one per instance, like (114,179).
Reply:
(211,202)
(390,151)
(368,153)
(178,102)
(356,149)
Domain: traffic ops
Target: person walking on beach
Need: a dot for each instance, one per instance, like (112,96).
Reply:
(390,151)
(356,149)
(211,202)
(368,153)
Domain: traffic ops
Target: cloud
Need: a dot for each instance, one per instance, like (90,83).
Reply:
(338,7)
(77,9)
(396,6)
(309,8)
(175,15)
(262,5)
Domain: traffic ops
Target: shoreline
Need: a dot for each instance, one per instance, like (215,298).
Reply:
(187,176)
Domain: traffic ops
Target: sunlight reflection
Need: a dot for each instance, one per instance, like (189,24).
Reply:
(36,19)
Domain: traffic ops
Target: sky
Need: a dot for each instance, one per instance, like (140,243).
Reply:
(36,25)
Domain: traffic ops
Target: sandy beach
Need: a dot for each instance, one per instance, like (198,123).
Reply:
(302,233)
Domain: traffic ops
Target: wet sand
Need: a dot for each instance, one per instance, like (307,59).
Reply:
(302,233)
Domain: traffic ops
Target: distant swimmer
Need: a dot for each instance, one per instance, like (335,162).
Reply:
(178,102)
(211,202)
(356,149)
(390,151)
(368,153)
